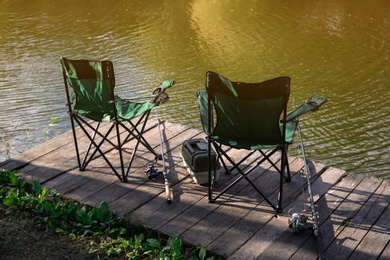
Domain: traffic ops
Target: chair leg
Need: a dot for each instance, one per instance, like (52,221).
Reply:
(75,140)
(96,146)
(283,167)
(288,177)
(140,140)
(124,177)
(211,179)
(138,134)
(85,162)
(227,171)
(243,175)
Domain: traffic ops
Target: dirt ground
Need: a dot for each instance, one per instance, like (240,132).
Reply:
(21,239)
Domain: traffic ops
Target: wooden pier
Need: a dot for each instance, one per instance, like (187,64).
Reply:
(353,209)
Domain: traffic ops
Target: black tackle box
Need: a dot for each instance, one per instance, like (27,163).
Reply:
(194,153)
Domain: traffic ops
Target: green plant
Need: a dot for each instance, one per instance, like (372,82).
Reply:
(53,121)
(6,137)
(109,234)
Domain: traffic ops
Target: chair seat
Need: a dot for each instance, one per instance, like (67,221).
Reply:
(126,110)
(244,143)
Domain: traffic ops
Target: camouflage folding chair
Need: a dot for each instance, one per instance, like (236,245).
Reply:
(250,116)
(89,86)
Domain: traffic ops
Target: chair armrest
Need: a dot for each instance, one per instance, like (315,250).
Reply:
(166,84)
(312,104)
(203,104)
(160,96)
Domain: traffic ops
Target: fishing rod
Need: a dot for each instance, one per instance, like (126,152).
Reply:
(164,171)
(296,217)
(160,97)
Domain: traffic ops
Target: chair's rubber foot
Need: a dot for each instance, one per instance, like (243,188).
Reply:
(211,200)
(159,157)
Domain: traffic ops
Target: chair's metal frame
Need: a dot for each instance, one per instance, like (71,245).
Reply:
(282,170)
(136,130)
(312,104)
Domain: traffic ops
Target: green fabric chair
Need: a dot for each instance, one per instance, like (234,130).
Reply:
(90,98)
(250,116)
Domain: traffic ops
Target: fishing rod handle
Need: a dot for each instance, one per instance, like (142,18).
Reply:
(168,192)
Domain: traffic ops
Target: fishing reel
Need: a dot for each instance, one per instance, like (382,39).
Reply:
(298,223)
(151,172)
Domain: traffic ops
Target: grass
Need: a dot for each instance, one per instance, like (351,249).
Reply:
(39,223)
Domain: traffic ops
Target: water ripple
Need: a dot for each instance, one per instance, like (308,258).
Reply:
(334,49)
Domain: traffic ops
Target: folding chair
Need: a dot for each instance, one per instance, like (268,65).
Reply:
(91,100)
(250,116)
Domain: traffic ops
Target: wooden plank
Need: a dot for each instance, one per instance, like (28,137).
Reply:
(345,212)
(181,170)
(54,156)
(23,159)
(200,209)
(50,159)
(76,179)
(143,194)
(257,218)
(12,164)
(89,182)
(325,206)
(217,222)
(356,227)
(353,212)
(386,252)
(179,179)
(149,197)
(193,212)
(240,204)
(277,228)
(51,165)
(160,213)
(45,148)
(286,239)
(264,177)
(375,244)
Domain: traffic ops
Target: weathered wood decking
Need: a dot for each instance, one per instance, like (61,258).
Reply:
(353,209)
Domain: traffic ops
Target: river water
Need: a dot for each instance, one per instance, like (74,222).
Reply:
(337,49)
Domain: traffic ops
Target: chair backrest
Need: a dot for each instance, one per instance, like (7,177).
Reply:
(248,113)
(93,83)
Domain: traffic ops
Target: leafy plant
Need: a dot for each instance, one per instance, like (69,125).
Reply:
(109,234)
(6,137)
(53,121)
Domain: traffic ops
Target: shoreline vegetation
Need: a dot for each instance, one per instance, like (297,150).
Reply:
(6,136)
(37,222)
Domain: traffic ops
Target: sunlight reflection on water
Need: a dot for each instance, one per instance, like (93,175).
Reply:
(330,48)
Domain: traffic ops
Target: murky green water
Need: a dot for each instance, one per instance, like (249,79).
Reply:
(338,49)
